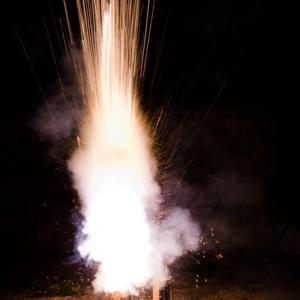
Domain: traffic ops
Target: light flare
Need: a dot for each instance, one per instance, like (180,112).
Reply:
(114,169)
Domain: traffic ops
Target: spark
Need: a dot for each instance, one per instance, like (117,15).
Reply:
(113,167)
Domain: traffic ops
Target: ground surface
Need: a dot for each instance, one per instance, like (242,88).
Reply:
(237,276)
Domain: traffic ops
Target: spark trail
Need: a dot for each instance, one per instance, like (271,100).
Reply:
(114,169)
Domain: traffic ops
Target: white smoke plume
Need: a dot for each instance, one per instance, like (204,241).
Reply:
(114,169)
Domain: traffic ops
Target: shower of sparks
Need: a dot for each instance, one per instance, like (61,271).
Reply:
(113,167)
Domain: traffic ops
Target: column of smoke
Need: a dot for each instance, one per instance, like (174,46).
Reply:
(113,168)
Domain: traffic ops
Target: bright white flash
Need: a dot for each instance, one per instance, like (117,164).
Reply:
(114,169)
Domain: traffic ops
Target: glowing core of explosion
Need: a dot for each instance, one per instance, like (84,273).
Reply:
(114,169)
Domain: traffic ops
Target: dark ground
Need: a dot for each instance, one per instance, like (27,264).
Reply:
(239,275)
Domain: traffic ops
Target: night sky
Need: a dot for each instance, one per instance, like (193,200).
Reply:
(221,56)
(196,48)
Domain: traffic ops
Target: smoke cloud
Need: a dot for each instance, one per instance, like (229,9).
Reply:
(126,227)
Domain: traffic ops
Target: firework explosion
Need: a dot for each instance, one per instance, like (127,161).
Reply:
(114,168)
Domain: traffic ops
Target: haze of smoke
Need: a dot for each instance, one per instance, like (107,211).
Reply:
(114,170)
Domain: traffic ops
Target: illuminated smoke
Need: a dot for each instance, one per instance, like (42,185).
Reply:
(113,168)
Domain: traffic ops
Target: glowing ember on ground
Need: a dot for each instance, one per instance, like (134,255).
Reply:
(114,169)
